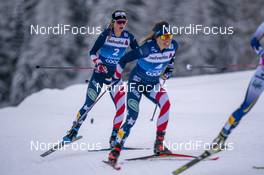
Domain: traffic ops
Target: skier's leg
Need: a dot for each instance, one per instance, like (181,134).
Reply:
(255,88)
(133,98)
(159,96)
(118,96)
(93,90)
(132,103)
(254,91)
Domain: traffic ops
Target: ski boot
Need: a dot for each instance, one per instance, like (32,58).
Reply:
(159,147)
(113,138)
(218,143)
(114,154)
(72,133)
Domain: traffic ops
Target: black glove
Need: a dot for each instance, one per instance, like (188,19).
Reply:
(168,72)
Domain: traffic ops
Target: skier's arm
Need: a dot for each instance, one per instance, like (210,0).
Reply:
(255,41)
(140,52)
(98,44)
(170,67)
(133,43)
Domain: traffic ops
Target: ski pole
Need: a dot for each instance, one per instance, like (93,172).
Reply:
(190,67)
(154,113)
(156,106)
(92,119)
(109,86)
(66,68)
(98,98)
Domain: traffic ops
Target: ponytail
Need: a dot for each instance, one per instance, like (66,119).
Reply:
(146,38)
(156,31)
(111,27)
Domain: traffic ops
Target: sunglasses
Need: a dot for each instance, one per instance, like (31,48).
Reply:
(166,36)
(121,22)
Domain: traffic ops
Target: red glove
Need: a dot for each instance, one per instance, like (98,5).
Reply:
(99,66)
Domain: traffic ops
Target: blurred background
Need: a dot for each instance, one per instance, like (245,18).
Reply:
(21,51)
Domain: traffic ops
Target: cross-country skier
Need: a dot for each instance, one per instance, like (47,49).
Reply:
(109,47)
(155,58)
(255,88)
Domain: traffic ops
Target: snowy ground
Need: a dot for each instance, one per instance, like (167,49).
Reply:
(200,107)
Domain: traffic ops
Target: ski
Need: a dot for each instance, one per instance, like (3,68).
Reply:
(193,162)
(115,166)
(173,155)
(59,146)
(124,148)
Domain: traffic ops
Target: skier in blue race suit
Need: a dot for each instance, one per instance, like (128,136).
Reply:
(255,88)
(109,47)
(155,59)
